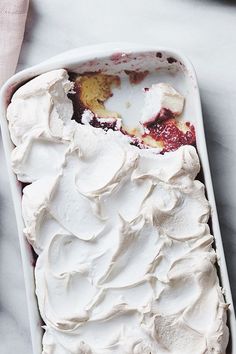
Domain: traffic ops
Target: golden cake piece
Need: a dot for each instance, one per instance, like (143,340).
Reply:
(149,141)
(94,90)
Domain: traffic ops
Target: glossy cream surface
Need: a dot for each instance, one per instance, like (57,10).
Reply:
(125,259)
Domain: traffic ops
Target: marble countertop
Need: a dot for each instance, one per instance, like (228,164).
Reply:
(204,31)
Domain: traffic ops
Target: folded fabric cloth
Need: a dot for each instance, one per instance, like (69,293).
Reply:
(12,25)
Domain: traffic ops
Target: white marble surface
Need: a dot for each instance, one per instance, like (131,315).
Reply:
(204,31)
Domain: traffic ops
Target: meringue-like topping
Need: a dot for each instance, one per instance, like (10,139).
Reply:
(87,116)
(161,101)
(125,263)
(41,108)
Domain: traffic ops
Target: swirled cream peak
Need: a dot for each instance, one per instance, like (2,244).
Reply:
(41,108)
(125,263)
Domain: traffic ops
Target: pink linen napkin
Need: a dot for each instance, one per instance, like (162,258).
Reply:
(12,25)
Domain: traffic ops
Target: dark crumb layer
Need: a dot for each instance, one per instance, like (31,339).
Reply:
(105,125)
(158,54)
(171,60)
(78,107)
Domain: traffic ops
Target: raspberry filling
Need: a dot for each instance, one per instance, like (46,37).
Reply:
(168,133)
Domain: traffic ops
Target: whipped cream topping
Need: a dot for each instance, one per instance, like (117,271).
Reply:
(160,98)
(125,259)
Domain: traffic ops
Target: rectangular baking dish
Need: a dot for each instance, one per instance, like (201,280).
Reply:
(163,65)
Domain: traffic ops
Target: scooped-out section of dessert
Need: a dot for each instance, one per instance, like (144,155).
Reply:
(158,126)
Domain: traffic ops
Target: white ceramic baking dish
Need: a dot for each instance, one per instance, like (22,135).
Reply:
(163,65)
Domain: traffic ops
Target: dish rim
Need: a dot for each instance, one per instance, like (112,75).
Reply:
(73,57)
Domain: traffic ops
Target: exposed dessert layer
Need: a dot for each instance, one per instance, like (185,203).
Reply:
(125,259)
(159,124)
(91,91)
